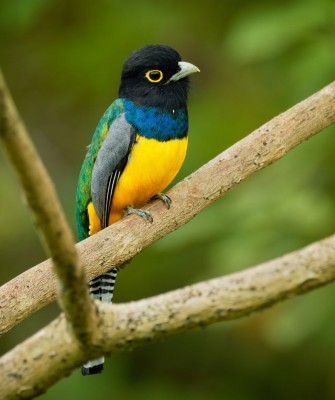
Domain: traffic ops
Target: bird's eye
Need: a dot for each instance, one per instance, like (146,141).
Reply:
(154,76)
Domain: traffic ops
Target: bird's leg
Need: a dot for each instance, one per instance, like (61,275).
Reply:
(165,199)
(141,213)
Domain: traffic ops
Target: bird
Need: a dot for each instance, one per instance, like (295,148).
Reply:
(137,149)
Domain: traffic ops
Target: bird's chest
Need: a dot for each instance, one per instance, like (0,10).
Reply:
(151,167)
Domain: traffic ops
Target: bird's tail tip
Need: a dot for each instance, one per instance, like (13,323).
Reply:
(93,367)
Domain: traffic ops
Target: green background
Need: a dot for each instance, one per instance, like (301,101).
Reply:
(62,61)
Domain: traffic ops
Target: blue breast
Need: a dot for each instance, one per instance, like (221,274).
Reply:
(155,123)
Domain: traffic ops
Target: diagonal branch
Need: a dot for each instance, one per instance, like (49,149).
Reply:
(120,242)
(49,217)
(33,366)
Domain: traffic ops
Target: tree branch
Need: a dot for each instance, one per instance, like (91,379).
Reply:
(49,217)
(33,366)
(120,242)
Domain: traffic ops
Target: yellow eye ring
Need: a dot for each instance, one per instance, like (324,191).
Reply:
(154,75)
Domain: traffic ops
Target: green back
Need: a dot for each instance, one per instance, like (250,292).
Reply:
(83,194)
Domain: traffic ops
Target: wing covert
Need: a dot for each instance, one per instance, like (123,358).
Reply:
(109,164)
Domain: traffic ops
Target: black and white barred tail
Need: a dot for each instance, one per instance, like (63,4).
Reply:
(101,288)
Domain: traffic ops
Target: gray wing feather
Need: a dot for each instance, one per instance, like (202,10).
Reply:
(114,149)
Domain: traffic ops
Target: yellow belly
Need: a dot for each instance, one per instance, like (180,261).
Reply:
(151,167)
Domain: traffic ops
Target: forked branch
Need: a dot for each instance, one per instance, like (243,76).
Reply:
(33,366)
(120,242)
(53,352)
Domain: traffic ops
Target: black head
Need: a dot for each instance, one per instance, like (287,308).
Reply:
(155,76)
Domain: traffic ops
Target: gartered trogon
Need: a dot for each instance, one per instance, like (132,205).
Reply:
(137,149)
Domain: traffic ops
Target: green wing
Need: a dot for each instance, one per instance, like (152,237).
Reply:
(83,194)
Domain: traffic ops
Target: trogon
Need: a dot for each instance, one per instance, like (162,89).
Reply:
(137,149)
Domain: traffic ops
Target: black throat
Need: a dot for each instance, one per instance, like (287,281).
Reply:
(169,97)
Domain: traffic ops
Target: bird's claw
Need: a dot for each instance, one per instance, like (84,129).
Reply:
(165,199)
(141,213)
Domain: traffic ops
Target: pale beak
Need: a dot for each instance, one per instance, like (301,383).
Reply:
(186,69)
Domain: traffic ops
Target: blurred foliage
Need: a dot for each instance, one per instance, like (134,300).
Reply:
(62,61)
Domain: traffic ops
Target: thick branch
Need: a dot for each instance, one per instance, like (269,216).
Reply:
(36,364)
(50,221)
(113,246)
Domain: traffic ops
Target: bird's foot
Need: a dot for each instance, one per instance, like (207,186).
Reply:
(141,213)
(165,199)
